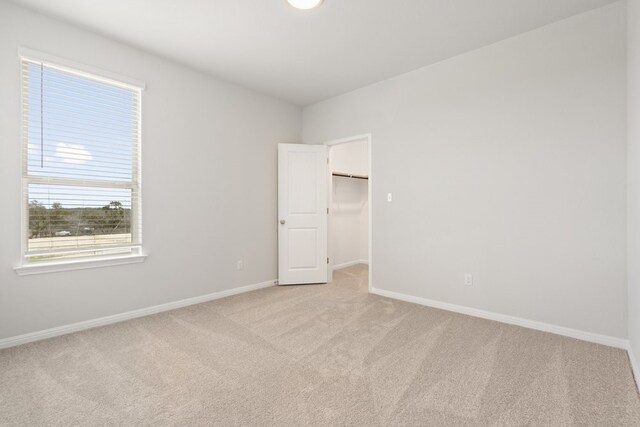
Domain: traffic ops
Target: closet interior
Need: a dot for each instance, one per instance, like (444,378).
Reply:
(349,207)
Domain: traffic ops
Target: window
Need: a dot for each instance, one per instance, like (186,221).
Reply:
(80,165)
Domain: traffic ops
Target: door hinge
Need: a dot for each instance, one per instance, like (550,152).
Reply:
(327,160)
(327,260)
(327,211)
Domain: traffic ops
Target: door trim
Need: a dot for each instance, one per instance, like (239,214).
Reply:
(366,136)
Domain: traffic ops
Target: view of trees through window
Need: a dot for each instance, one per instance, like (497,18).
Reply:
(58,221)
(65,217)
(57,227)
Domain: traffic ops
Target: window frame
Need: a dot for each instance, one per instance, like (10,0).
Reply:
(136,255)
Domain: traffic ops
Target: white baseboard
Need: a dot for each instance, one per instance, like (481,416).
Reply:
(512,320)
(634,365)
(102,321)
(350,263)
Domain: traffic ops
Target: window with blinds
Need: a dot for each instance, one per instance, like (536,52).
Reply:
(81,165)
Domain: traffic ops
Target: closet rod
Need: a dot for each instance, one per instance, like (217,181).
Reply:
(344,175)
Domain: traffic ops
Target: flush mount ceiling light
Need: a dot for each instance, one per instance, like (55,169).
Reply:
(304,4)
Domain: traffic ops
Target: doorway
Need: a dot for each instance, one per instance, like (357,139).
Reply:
(350,207)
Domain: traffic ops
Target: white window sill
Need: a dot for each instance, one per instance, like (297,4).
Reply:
(54,267)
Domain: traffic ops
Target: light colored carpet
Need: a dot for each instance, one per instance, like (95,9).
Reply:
(315,355)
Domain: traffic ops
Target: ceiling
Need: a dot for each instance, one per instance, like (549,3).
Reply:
(308,56)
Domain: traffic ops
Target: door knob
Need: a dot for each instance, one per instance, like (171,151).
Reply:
(282,221)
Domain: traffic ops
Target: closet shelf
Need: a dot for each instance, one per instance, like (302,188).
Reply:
(347,175)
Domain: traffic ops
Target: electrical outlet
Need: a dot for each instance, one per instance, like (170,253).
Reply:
(468,279)
(240,265)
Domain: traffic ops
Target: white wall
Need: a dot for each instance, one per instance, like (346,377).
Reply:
(633,168)
(349,219)
(507,162)
(209,183)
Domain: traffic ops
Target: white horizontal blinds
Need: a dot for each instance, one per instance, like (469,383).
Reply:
(80,165)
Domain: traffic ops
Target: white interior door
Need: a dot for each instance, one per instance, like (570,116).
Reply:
(302,214)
